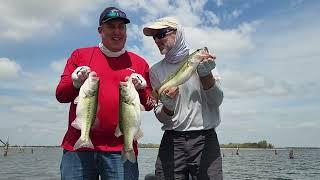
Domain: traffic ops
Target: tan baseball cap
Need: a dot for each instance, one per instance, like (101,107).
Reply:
(161,23)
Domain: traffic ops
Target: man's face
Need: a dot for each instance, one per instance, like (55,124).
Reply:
(113,34)
(166,43)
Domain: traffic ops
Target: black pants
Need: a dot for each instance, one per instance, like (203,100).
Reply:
(190,153)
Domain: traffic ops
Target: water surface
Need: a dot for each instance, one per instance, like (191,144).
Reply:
(43,164)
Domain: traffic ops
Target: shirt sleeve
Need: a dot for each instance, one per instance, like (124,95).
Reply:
(65,91)
(214,94)
(163,117)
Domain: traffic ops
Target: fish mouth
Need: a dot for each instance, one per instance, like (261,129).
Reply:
(209,56)
(205,54)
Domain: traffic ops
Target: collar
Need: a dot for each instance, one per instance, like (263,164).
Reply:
(109,53)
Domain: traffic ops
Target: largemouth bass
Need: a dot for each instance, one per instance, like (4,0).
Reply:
(87,104)
(129,119)
(185,70)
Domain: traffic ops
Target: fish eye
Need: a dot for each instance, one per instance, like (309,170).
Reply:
(198,50)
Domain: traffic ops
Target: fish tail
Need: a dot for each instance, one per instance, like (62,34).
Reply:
(128,155)
(83,143)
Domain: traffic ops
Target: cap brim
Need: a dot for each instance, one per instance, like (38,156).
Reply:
(126,21)
(152,29)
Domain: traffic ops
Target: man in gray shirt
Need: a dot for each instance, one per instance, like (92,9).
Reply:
(189,113)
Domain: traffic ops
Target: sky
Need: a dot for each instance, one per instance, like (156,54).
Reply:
(267,57)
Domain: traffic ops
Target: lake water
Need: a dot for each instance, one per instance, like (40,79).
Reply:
(44,164)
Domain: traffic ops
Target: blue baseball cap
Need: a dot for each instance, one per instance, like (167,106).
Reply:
(111,13)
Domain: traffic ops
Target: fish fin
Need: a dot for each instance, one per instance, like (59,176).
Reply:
(76,100)
(76,124)
(118,132)
(128,155)
(81,143)
(142,108)
(138,135)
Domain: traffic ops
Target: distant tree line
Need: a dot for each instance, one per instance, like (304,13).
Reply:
(260,144)
(36,146)
(148,145)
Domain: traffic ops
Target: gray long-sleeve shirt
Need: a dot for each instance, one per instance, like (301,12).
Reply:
(196,108)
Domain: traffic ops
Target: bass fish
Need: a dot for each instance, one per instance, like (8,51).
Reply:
(185,70)
(129,119)
(87,105)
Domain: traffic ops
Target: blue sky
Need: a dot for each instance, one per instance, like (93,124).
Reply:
(267,55)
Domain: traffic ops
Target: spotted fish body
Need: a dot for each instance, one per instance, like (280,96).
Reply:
(129,119)
(87,104)
(185,70)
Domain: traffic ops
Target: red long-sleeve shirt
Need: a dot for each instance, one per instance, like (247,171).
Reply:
(110,71)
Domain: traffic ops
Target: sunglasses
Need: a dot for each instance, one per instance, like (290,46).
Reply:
(115,13)
(162,33)
(112,14)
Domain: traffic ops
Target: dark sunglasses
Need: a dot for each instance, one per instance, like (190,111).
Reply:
(162,33)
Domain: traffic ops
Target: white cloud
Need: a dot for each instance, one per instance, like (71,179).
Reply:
(226,44)
(134,32)
(149,9)
(39,82)
(307,124)
(44,88)
(285,51)
(190,13)
(57,66)
(211,18)
(29,109)
(236,13)
(43,83)
(198,25)
(241,84)
(219,2)
(296,3)
(24,19)
(9,69)
(8,101)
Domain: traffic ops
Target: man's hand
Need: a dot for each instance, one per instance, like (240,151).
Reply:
(169,97)
(79,75)
(138,81)
(205,67)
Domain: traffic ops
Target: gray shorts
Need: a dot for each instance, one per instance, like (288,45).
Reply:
(187,154)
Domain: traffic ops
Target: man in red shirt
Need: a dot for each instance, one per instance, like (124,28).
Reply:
(112,64)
